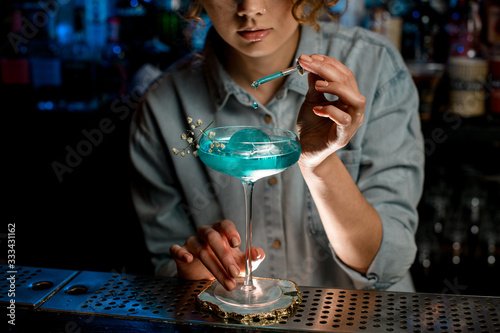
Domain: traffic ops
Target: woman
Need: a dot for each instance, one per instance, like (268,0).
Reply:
(345,215)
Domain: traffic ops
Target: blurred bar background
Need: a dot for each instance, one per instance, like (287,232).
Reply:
(72,72)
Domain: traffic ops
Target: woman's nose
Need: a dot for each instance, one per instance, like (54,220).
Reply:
(251,8)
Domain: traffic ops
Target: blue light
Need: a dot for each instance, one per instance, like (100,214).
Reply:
(117,49)
(455,16)
(415,14)
(42,106)
(23,49)
(134,3)
(460,49)
(64,32)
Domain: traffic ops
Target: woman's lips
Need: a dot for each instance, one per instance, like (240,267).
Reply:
(254,35)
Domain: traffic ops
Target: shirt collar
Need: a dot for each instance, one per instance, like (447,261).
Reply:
(223,85)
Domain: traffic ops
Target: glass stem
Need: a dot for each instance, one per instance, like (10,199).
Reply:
(248,187)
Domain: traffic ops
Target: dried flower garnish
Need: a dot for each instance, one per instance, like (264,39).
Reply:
(190,138)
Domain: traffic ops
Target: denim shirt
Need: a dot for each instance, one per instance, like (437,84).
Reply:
(174,195)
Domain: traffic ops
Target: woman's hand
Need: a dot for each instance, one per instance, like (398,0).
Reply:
(325,126)
(213,253)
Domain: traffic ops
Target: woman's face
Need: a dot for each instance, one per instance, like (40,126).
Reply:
(255,28)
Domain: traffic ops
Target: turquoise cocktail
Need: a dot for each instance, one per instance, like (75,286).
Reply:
(249,154)
(249,160)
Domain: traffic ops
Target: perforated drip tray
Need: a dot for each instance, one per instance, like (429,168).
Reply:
(119,295)
(166,300)
(30,286)
(348,311)
(322,310)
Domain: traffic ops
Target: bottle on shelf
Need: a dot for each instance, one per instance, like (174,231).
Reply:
(79,69)
(96,15)
(385,19)
(350,14)
(45,63)
(468,66)
(422,34)
(428,249)
(454,26)
(113,69)
(490,238)
(15,70)
(491,14)
(494,105)
(133,14)
(493,37)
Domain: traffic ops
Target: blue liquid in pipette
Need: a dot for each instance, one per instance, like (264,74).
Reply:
(285,72)
(265,79)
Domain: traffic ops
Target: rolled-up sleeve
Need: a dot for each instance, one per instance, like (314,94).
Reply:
(391,179)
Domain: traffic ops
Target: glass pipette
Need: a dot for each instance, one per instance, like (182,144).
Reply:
(285,72)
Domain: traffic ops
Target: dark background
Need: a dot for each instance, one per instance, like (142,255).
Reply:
(83,219)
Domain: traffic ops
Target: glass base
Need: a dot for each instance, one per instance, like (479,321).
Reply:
(269,301)
(262,293)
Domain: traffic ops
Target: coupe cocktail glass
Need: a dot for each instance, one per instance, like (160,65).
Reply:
(249,154)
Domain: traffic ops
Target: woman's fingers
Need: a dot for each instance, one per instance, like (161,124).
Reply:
(258,256)
(332,77)
(213,252)
(347,95)
(180,253)
(336,79)
(340,117)
(329,69)
(349,101)
(207,256)
(314,96)
(228,229)
(216,242)
(340,133)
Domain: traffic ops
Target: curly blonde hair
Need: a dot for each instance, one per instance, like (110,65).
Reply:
(305,12)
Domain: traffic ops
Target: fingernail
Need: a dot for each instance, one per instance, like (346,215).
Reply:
(235,242)
(306,58)
(321,83)
(230,284)
(187,257)
(233,271)
(255,254)
(317,108)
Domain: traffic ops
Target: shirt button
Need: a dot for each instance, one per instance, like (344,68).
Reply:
(277,244)
(268,119)
(271,181)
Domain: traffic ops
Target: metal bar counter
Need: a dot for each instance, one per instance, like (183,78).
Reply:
(53,300)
